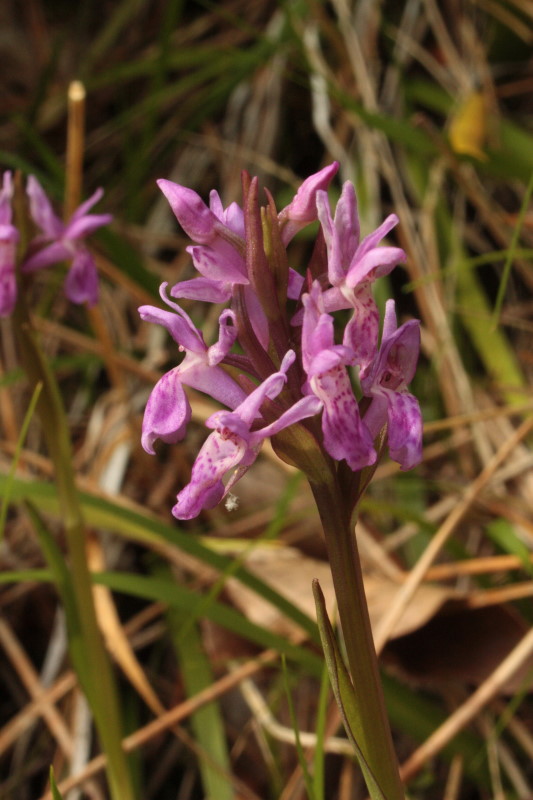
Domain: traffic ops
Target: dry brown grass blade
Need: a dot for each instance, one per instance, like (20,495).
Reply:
(417,574)
(30,679)
(116,639)
(35,709)
(171,717)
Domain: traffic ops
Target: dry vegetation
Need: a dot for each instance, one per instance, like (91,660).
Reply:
(427,106)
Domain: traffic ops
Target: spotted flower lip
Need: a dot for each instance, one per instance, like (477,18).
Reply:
(385,380)
(234,445)
(61,241)
(9,237)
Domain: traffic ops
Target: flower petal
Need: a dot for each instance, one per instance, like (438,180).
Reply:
(81,283)
(404,429)
(41,210)
(83,226)
(52,254)
(219,453)
(204,289)
(196,219)
(167,412)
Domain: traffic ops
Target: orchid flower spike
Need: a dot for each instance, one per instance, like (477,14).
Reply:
(65,242)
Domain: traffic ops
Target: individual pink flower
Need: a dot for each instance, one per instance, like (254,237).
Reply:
(345,434)
(61,241)
(9,237)
(353,266)
(234,445)
(385,380)
(168,410)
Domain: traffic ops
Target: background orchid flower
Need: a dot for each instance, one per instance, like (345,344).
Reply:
(9,237)
(352,268)
(385,380)
(168,409)
(345,434)
(64,242)
(234,445)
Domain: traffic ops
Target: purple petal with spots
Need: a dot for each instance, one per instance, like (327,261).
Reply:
(385,380)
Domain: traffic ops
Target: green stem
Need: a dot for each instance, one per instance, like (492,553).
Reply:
(95,673)
(371,728)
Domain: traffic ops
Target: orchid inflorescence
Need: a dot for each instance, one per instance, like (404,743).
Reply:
(276,366)
(56,242)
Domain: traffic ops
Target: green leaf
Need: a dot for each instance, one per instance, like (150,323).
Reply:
(56,794)
(13,468)
(343,689)
(176,596)
(309,785)
(147,530)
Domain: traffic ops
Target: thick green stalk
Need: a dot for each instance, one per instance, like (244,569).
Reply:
(371,727)
(95,673)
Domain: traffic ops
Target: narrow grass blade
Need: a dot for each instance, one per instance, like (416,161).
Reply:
(6,496)
(309,785)
(56,794)
(206,723)
(512,248)
(168,591)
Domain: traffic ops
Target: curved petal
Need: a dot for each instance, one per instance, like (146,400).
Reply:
(404,429)
(81,283)
(217,266)
(372,265)
(179,325)
(373,239)
(205,289)
(52,254)
(167,412)
(83,226)
(219,453)
(86,206)
(214,381)
(302,409)
(196,219)
(227,333)
(41,210)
